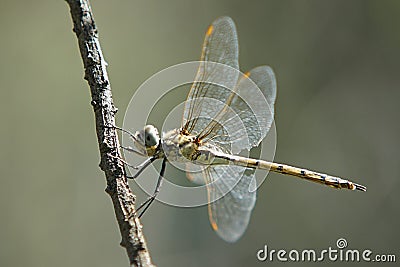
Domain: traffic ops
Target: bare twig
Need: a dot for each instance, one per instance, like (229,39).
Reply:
(104,109)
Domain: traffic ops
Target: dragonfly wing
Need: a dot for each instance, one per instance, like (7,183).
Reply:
(232,196)
(248,113)
(254,103)
(221,43)
(246,116)
(218,68)
(235,114)
(195,174)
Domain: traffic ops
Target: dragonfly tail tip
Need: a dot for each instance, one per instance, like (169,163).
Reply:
(360,187)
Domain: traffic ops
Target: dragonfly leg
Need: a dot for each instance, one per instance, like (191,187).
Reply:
(130,149)
(142,166)
(145,205)
(122,130)
(123,161)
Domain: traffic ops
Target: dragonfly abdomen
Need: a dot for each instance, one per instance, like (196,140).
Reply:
(313,176)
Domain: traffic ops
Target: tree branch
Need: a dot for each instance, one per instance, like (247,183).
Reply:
(104,109)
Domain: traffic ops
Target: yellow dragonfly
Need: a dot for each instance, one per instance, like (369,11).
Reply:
(225,112)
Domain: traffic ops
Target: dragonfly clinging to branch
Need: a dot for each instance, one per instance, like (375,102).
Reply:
(226,112)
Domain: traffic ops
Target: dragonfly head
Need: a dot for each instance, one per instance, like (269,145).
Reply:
(147,140)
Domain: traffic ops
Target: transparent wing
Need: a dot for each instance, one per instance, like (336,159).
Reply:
(232,196)
(195,174)
(220,46)
(253,102)
(245,117)
(235,114)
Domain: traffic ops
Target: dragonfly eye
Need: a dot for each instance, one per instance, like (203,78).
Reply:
(151,136)
(147,140)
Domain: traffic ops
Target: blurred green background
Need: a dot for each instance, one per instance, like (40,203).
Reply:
(337,111)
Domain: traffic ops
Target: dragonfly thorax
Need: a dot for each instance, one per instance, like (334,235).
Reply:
(179,147)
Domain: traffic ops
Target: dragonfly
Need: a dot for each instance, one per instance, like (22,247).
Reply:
(226,112)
